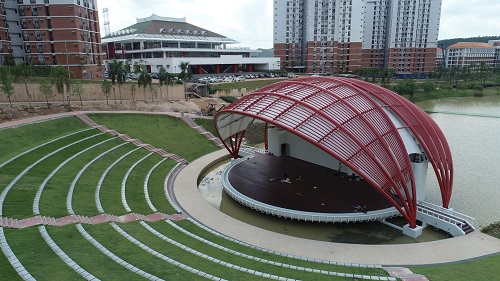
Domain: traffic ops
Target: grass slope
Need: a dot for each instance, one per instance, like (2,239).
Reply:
(165,132)
(14,140)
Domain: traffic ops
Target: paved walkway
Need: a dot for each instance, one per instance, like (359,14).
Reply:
(42,118)
(473,245)
(102,218)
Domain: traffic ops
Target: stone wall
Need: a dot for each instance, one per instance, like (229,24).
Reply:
(92,92)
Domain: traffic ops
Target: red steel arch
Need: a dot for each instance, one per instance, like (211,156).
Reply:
(350,120)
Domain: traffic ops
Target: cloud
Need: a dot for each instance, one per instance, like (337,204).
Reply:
(251,21)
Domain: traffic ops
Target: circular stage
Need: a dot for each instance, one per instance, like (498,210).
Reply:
(312,193)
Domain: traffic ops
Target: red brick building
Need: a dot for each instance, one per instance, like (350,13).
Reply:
(47,32)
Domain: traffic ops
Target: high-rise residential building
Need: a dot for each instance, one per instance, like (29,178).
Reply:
(52,32)
(330,36)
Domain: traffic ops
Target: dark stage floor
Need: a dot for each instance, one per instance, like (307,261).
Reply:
(321,190)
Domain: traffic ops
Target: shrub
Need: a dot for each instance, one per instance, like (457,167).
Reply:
(407,87)
(492,229)
(229,99)
(428,86)
(478,90)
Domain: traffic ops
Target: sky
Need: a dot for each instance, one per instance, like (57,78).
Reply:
(251,21)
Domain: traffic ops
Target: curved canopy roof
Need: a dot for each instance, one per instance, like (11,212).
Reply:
(358,123)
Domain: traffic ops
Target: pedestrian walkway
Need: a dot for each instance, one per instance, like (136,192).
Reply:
(404,274)
(102,218)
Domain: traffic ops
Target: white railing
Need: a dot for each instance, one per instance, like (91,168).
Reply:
(299,215)
(444,214)
(254,149)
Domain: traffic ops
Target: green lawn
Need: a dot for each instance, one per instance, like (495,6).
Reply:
(16,140)
(168,133)
(37,257)
(248,84)
(477,270)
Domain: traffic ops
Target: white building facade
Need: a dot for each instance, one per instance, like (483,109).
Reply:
(471,54)
(167,42)
(330,36)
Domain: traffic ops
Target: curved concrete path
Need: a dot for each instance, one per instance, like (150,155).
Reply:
(449,250)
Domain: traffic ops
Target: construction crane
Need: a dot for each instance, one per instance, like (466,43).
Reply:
(105,15)
(444,58)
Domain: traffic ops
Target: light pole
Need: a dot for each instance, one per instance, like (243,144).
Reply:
(67,57)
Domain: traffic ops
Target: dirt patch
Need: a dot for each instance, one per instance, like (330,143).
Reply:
(21,111)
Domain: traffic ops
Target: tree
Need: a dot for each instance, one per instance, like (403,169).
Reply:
(77,89)
(478,90)
(6,80)
(184,75)
(164,78)
(427,86)
(106,88)
(61,78)
(407,87)
(133,88)
(497,83)
(22,70)
(144,80)
(152,91)
(118,75)
(46,90)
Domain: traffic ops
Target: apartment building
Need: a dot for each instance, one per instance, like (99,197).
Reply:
(472,54)
(330,36)
(52,32)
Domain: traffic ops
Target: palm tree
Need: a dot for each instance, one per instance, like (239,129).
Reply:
(22,70)
(61,78)
(185,74)
(144,80)
(118,74)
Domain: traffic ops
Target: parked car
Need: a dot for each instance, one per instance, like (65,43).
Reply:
(228,79)
(239,79)
(133,76)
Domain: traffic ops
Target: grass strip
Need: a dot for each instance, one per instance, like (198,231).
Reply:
(257,265)
(110,194)
(69,239)
(7,272)
(156,188)
(142,234)
(136,256)
(37,257)
(189,226)
(18,139)
(480,269)
(166,132)
(84,192)
(136,198)
(250,84)
(19,201)
(14,168)
(54,195)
